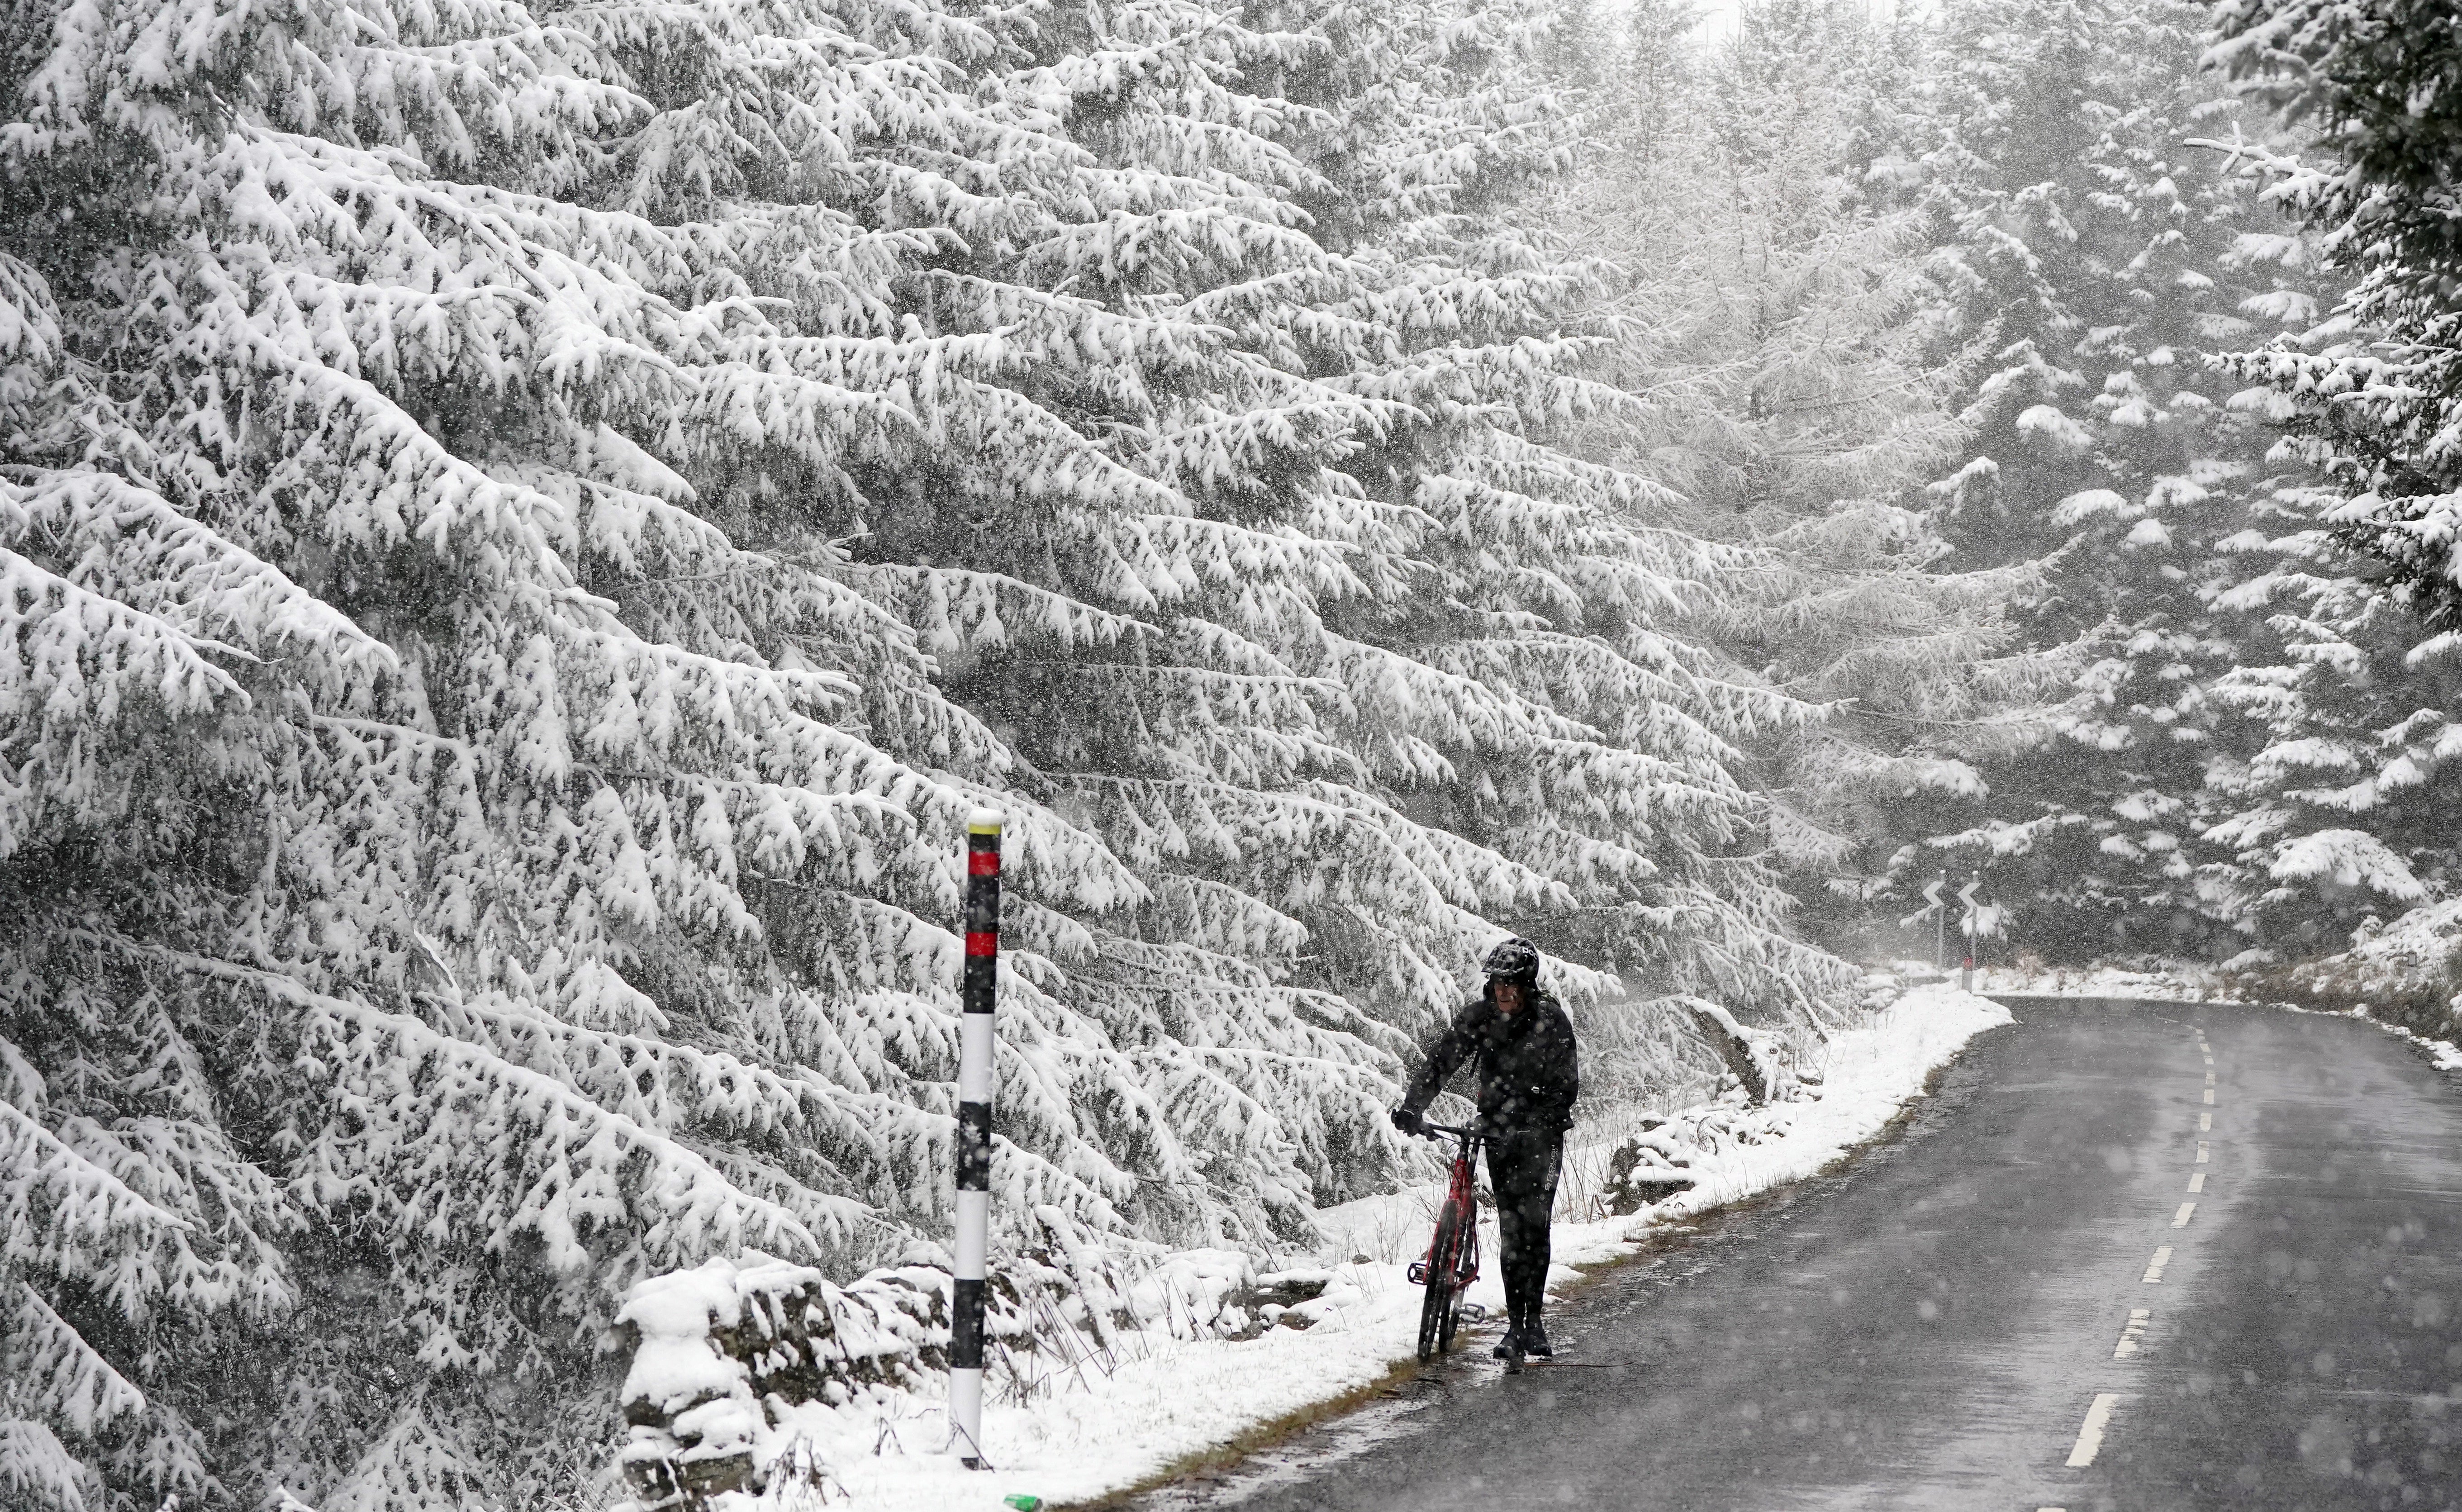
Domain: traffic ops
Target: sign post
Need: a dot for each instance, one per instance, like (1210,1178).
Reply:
(1940,916)
(974,1137)
(1966,895)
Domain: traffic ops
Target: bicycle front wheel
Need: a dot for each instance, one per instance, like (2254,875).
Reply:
(1465,1265)
(1437,1308)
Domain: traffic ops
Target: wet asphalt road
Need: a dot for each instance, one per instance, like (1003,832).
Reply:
(1931,1327)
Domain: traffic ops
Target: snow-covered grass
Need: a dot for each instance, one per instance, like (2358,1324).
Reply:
(1156,1401)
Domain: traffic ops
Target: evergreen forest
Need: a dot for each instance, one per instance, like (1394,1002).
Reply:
(527,527)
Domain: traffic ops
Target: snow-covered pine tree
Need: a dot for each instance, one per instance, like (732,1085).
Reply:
(2376,82)
(1129,633)
(1787,335)
(449,813)
(1658,58)
(2109,258)
(1267,734)
(1557,584)
(2350,794)
(1162,288)
(2329,807)
(528,530)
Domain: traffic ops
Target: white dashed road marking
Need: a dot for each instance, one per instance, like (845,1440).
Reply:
(2089,1441)
(2130,1332)
(2098,1415)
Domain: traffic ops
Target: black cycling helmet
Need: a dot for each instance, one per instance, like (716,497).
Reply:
(1517,959)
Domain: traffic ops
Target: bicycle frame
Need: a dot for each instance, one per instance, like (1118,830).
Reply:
(1461,1195)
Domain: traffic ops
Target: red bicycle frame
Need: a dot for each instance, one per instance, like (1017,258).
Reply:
(1452,1261)
(1461,1195)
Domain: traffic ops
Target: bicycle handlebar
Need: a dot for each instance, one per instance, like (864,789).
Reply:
(1429,1131)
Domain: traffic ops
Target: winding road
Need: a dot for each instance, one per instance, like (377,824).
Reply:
(2133,1256)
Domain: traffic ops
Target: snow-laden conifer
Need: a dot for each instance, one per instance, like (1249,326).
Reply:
(2342,799)
(450,805)
(2112,256)
(526,533)
(1577,576)
(1798,365)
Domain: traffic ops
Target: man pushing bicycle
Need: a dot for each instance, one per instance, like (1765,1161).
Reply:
(1520,1046)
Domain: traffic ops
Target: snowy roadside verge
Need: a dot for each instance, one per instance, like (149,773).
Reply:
(1160,1401)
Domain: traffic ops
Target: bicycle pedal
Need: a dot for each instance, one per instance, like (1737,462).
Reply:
(1418,1273)
(1473,1312)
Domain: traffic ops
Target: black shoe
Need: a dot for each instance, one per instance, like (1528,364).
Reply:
(1510,1345)
(1534,1342)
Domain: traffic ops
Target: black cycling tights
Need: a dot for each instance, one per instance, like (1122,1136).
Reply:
(1522,1169)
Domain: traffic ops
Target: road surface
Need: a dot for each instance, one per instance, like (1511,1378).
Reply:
(2134,1255)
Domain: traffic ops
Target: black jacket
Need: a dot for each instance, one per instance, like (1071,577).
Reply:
(1525,1064)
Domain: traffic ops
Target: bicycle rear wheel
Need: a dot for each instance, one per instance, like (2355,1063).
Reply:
(1436,1309)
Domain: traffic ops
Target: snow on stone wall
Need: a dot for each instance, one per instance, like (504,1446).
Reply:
(722,1353)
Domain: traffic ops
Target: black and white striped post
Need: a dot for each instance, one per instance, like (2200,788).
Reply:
(974,1135)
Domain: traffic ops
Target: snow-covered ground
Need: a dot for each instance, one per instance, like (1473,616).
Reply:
(1098,1427)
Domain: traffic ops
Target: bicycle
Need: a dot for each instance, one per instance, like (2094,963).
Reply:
(1452,1261)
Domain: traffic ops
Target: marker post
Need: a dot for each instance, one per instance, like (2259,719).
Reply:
(974,1137)
(1941,922)
(1968,923)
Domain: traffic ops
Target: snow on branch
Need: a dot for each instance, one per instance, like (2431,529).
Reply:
(554,1162)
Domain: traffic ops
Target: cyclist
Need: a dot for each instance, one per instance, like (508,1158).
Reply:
(1520,1046)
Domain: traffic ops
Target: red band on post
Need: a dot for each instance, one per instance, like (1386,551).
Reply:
(982,863)
(982,942)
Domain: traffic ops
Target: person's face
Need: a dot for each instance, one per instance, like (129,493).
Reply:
(1508,997)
